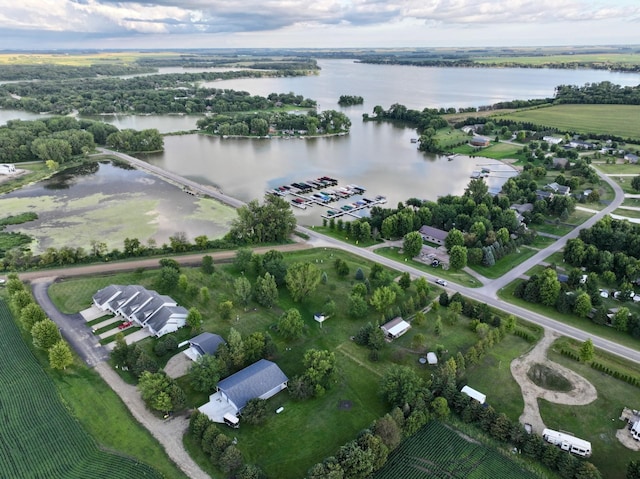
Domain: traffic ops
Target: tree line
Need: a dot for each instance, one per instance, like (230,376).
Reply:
(604,92)
(160,94)
(50,72)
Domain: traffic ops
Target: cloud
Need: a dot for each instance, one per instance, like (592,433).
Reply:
(119,19)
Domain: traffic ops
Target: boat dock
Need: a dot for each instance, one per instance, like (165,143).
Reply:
(327,191)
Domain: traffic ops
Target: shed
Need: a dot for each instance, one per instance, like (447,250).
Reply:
(434,235)
(432,358)
(472,393)
(320,318)
(395,328)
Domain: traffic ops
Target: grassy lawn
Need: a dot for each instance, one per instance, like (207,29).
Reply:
(506,294)
(537,269)
(552,229)
(619,169)
(497,151)
(619,120)
(457,276)
(542,242)
(342,236)
(447,137)
(506,263)
(627,213)
(596,422)
(625,183)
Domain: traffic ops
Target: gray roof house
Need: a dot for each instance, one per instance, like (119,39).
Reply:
(559,189)
(202,344)
(167,320)
(143,314)
(434,235)
(631,158)
(104,296)
(263,379)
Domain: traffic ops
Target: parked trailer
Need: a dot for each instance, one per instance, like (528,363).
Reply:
(567,442)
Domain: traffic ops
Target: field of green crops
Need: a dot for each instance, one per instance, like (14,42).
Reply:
(38,437)
(438,451)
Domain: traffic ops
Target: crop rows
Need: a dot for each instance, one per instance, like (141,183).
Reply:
(437,451)
(39,438)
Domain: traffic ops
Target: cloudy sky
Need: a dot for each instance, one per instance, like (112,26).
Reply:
(46,24)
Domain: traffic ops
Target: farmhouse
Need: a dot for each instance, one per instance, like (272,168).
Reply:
(395,328)
(433,235)
(262,379)
(7,169)
(552,140)
(203,344)
(472,393)
(559,189)
(158,313)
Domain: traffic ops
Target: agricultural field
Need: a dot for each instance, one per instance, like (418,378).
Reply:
(615,120)
(578,58)
(438,450)
(35,419)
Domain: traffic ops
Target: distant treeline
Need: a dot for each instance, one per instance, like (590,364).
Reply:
(65,72)
(196,61)
(160,94)
(470,63)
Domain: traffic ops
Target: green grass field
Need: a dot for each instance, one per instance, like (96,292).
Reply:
(39,436)
(506,263)
(618,120)
(535,60)
(440,451)
(596,422)
(497,151)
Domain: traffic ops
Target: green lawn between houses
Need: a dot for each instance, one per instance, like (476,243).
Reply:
(315,428)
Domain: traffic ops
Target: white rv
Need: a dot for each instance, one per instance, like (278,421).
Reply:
(635,430)
(567,442)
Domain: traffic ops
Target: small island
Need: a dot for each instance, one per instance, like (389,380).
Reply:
(350,100)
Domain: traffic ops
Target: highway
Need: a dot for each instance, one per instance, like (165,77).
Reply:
(485,294)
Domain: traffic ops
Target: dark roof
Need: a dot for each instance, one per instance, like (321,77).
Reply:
(105,294)
(140,299)
(433,232)
(206,343)
(154,305)
(252,382)
(162,317)
(128,293)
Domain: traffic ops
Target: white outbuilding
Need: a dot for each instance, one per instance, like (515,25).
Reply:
(472,393)
(395,328)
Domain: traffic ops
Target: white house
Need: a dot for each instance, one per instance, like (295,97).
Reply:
(262,379)
(472,393)
(552,140)
(159,313)
(395,328)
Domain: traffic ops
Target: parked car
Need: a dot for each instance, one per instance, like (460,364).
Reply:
(441,282)
(125,325)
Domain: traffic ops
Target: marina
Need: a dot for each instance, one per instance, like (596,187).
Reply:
(327,191)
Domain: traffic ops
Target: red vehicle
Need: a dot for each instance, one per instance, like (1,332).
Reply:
(125,325)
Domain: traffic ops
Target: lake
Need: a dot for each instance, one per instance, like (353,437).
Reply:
(377,156)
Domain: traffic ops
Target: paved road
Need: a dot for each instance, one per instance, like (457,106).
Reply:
(72,326)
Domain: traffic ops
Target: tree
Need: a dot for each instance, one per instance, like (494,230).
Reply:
(45,334)
(207,265)
(290,324)
(633,470)
(60,355)
(400,385)
(231,459)
(255,411)
(242,260)
(358,306)
(320,369)
(458,257)
(194,319)
(162,402)
(236,348)
(302,279)
(30,315)
(635,183)
(620,319)
(549,287)
(582,306)
(440,408)
(405,281)
(454,238)
(242,288)
(412,244)
(206,372)
(266,290)
(272,222)
(382,299)
(387,430)
(168,279)
(225,308)
(587,351)
(342,268)
(205,296)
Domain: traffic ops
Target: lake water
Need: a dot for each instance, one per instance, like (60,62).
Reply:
(107,203)
(379,157)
